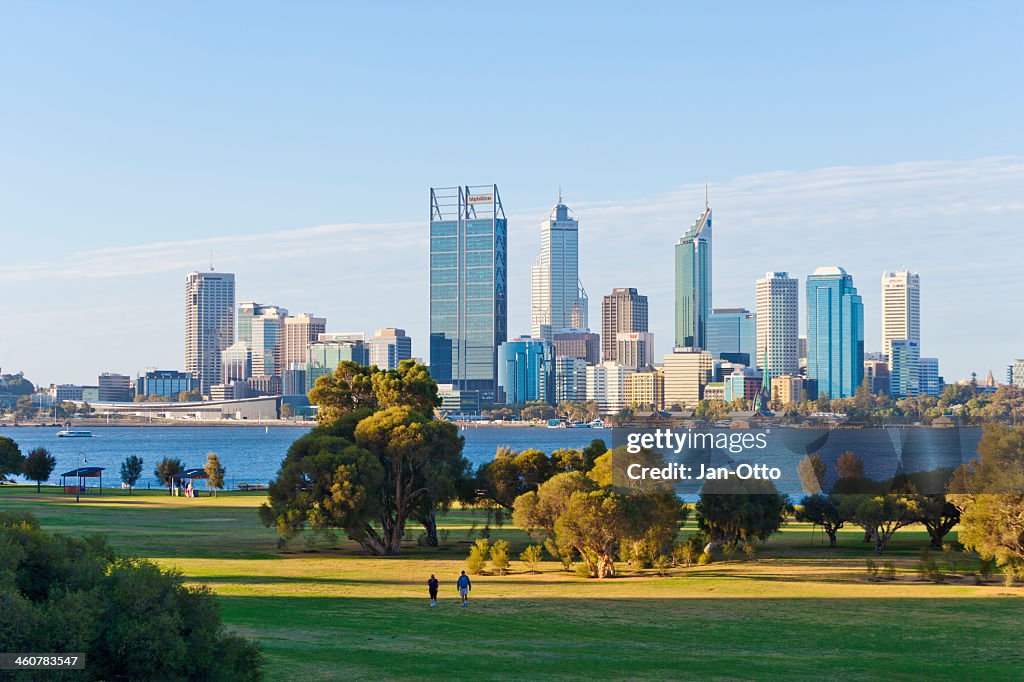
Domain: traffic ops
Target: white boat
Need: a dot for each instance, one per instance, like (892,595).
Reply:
(71,433)
(596,424)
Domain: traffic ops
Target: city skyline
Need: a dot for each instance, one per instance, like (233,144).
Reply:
(955,365)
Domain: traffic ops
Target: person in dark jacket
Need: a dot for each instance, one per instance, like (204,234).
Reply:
(464,586)
(432,588)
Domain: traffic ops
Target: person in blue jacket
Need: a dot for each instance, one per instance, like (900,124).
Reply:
(464,586)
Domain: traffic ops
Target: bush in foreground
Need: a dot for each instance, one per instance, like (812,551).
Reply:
(130,618)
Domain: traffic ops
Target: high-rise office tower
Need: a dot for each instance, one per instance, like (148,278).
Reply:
(687,371)
(526,371)
(114,388)
(623,310)
(331,349)
(236,361)
(905,368)
(246,311)
(579,344)
(209,324)
(300,331)
(558,301)
(468,287)
(901,308)
(731,335)
(606,386)
(931,382)
(635,349)
(835,333)
(388,347)
(570,379)
(777,325)
(268,341)
(693,283)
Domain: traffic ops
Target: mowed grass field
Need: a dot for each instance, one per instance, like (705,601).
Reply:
(801,610)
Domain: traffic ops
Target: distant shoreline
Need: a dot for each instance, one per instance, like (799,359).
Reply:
(85,423)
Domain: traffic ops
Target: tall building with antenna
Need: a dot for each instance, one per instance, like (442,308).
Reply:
(209,324)
(468,287)
(558,301)
(693,282)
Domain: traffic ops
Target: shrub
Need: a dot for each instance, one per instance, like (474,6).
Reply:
(729,550)
(929,568)
(662,564)
(704,559)
(952,560)
(531,557)
(749,550)
(872,568)
(565,556)
(499,557)
(583,571)
(1008,575)
(986,567)
(889,570)
(477,561)
(689,551)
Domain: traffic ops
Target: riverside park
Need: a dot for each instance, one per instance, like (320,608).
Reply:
(799,609)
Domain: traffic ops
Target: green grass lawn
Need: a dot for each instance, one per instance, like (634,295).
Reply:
(800,611)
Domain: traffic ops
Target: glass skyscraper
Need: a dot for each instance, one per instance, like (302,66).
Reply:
(693,283)
(468,287)
(835,332)
(526,370)
(732,335)
(558,302)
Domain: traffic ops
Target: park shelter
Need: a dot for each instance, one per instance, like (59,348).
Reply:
(188,475)
(77,478)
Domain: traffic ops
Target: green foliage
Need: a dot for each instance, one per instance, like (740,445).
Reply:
(189,396)
(689,551)
(511,474)
(131,471)
(476,563)
(537,410)
(352,387)
(531,556)
(214,471)
(38,466)
(989,492)
(880,515)
(128,616)
(662,564)
(704,559)
(750,550)
(10,457)
(928,567)
(730,511)
(889,570)
(500,557)
(872,568)
(938,515)
(167,468)
(822,510)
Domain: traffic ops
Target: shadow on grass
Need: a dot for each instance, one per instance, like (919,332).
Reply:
(721,638)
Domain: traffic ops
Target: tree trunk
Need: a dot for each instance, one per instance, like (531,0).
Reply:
(429,522)
(605,566)
(831,538)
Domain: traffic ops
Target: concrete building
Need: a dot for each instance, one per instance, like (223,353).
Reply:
(835,332)
(268,341)
(788,389)
(1017,374)
(468,287)
(262,384)
(558,301)
(693,283)
(570,379)
(731,335)
(606,385)
(209,324)
(293,379)
(635,349)
(905,368)
(714,391)
(901,308)
(876,374)
(578,343)
(646,389)
(686,371)
(299,331)
(526,371)
(114,388)
(623,310)
(778,325)
(60,393)
(388,347)
(743,384)
(253,409)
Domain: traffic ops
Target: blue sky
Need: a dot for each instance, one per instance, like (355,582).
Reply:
(297,141)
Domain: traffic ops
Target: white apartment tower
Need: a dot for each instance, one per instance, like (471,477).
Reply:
(901,309)
(209,324)
(777,324)
(558,301)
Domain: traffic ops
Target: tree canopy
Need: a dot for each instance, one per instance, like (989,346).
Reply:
(38,466)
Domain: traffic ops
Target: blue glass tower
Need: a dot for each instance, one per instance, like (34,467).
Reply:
(835,332)
(732,335)
(468,285)
(693,283)
(526,370)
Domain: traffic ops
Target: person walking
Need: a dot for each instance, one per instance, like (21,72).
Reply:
(464,586)
(432,588)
